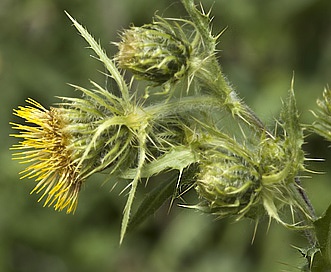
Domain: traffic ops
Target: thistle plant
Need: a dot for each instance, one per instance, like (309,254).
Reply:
(208,139)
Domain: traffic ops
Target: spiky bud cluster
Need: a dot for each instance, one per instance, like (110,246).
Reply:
(250,179)
(154,52)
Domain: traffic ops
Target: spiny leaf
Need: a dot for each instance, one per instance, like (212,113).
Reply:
(201,21)
(290,117)
(109,64)
(293,133)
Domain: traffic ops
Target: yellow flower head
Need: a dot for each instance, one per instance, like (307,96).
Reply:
(46,147)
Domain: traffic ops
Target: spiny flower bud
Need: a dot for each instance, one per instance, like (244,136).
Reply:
(154,52)
(228,184)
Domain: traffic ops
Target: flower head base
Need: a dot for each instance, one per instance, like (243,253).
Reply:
(229,185)
(154,52)
(45,145)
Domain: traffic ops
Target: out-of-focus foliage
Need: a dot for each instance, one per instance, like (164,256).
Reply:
(321,260)
(40,52)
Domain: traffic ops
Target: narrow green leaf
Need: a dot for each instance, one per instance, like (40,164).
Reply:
(153,200)
(134,184)
(128,206)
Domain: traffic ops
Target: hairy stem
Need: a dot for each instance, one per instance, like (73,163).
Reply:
(304,200)
(210,76)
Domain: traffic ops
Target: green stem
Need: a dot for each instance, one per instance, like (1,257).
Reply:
(308,208)
(306,201)
(220,88)
(185,104)
(210,76)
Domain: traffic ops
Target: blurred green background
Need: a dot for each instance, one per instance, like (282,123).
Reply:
(40,52)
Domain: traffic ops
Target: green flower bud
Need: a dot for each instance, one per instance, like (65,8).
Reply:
(228,185)
(154,52)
